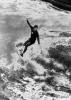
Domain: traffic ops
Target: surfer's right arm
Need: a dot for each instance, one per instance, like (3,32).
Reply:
(29,24)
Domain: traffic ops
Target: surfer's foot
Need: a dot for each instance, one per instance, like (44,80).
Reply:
(21,54)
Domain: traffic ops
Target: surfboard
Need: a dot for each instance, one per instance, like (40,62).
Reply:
(20,49)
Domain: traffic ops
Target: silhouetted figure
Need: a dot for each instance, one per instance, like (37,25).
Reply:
(34,36)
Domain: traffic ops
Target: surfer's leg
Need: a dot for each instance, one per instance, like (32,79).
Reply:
(26,46)
(25,49)
(26,42)
(22,44)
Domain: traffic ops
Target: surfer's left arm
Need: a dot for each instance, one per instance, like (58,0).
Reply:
(29,24)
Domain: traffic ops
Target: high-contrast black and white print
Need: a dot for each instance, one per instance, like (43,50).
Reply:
(35,50)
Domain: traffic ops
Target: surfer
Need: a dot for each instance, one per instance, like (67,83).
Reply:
(34,36)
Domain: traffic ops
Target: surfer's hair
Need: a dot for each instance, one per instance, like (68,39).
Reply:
(35,26)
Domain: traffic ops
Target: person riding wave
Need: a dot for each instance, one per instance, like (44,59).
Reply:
(34,36)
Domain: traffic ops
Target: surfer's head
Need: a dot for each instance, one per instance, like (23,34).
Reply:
(35,27)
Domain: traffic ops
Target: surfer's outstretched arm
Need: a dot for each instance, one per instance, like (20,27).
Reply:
(29,23)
